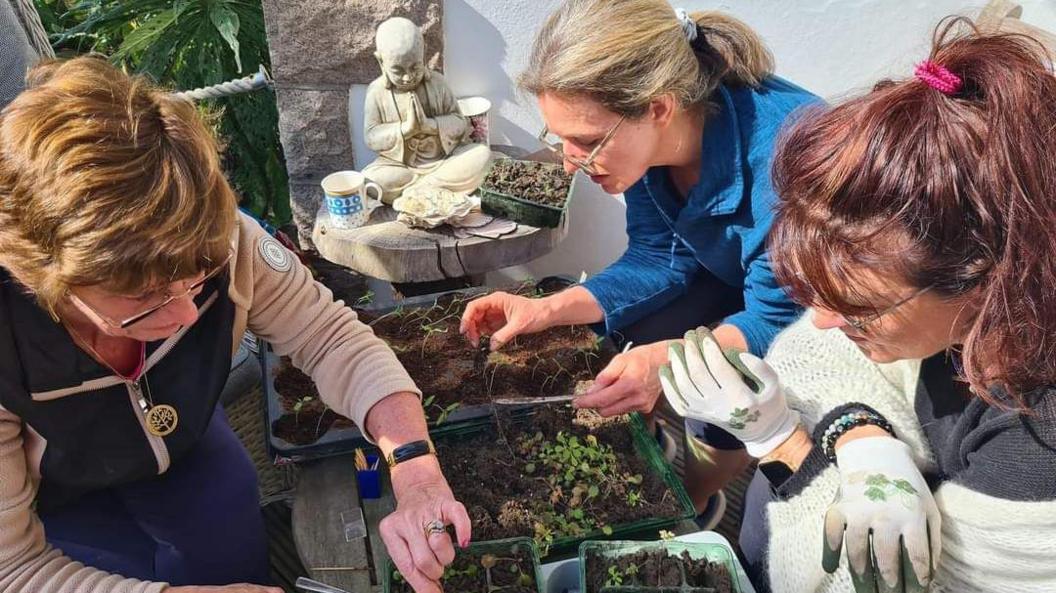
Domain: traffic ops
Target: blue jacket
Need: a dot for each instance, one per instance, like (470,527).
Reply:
(722,227)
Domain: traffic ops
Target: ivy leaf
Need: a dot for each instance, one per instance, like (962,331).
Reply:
(606,530)
(592,491)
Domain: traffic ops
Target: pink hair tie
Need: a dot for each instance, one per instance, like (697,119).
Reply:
(938,77)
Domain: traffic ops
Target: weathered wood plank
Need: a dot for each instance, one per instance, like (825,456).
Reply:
(326,489)
(374,511)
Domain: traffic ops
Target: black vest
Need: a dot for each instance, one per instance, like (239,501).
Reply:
(90,419)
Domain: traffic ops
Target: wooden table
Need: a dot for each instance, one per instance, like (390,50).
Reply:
(392,251)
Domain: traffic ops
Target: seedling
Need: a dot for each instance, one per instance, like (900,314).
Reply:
(298,406)
(578,471)
(365,300)
(617,577)
(395,313)
(430,403)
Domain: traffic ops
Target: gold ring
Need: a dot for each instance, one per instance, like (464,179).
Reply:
(434,527)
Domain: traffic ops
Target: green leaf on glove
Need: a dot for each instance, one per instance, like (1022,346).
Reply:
(740,418)
(876,494)
(877,480)
(905,486)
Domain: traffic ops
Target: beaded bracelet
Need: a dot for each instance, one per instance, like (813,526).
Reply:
(846,422)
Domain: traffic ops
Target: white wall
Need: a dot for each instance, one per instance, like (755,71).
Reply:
(831,47)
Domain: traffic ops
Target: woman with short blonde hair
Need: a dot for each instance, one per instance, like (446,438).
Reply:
(127,279)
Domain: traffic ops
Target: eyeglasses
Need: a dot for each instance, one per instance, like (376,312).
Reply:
(192,290)
(585,165)
(863,323)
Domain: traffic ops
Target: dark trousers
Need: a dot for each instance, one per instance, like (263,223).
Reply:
(197,524)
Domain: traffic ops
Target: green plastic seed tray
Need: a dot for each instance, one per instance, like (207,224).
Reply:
(645,446)
(698,551)
(523,211)
(497,547)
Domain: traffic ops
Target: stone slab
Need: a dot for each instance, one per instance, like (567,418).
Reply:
(306,198)
(313,127)
(330,43)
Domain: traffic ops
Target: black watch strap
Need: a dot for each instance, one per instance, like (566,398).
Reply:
(776,472)
(409,451)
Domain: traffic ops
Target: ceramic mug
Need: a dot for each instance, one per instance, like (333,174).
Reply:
(475,109)
(349,200)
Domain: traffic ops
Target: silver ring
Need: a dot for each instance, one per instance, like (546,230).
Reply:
(434,527)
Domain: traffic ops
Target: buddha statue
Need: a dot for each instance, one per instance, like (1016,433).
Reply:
(412,121)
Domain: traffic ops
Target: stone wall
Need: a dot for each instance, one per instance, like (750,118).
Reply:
(319,48)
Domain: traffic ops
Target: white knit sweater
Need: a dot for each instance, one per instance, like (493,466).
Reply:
(988,544)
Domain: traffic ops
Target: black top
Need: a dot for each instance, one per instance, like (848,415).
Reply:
(91,423)
(1002,453)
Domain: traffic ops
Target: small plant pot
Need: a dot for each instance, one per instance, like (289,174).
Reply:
(520,209)
(528,577)
(674,566)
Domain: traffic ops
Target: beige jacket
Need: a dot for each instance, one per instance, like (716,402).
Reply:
(275,297)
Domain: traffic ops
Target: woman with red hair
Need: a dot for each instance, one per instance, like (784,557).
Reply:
(919,222)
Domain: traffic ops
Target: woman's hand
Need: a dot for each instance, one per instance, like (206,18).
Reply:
(886,516)
(629,383)
(504,316)
(737,392)
(423,498)
(237,588)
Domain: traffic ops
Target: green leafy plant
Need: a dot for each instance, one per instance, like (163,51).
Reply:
(188,44)
(578,471)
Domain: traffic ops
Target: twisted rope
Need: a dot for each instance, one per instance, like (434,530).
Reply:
(225,89)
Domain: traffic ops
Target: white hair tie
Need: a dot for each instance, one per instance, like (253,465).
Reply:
(689,26)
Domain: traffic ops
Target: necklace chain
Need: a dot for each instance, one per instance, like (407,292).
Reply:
(161,420)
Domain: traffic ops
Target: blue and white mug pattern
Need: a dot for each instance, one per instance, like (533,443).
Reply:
(348,198)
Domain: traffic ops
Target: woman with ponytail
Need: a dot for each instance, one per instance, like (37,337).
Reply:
(679,113)
(919,223)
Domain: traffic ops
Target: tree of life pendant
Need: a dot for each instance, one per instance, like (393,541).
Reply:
(162,420)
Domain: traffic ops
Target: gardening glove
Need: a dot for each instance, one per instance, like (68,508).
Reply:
(885,513)
(735,391)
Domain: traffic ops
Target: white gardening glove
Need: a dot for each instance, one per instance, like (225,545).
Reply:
(735,391)
(883,494)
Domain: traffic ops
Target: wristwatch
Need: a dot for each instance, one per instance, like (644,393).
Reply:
(777,472)
(410,451)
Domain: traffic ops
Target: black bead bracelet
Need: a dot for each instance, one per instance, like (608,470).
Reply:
(845,423)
